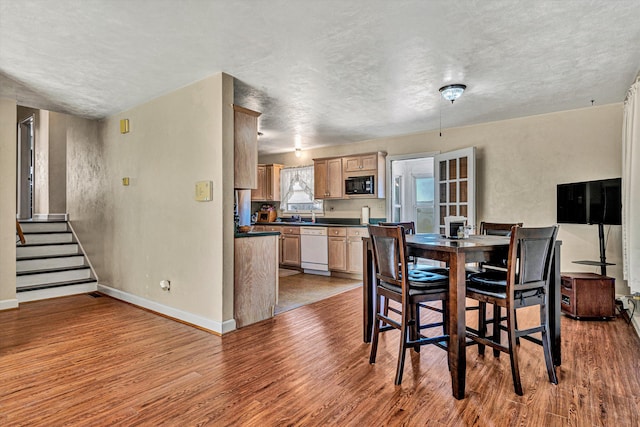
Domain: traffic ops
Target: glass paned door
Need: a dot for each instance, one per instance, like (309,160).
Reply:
(455,183)
(396,208)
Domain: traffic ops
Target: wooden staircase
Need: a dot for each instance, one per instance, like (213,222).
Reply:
(50,263)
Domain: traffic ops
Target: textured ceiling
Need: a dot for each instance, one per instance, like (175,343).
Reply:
(331,71)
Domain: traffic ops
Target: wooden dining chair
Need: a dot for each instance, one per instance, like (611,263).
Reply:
(410,228)
(491,229)
(396,282)
(524,284)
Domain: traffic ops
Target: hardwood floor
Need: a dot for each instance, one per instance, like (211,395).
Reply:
(97,361)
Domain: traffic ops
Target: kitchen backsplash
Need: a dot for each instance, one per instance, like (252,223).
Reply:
(343,208)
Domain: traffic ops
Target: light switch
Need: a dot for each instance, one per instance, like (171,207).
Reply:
(203,191)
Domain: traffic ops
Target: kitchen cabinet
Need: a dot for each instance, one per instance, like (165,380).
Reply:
(268,178)
(290,246)
(337,241)
(361,163)
(369,164)
(354,249)
(327,178)
(255,279)
(245,147)
(345,249)
(330,174)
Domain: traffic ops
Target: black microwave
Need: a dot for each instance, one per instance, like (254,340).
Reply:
(359,185)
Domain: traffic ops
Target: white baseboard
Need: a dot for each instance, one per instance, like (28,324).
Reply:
(7,304)
(174,313)
(61,291)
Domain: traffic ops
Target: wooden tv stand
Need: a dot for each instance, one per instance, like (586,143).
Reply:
(587,295)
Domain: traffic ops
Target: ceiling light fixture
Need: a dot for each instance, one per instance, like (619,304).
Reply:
(452,92)
(298,145)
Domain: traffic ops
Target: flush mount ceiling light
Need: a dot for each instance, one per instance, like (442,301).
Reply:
(298,145)
(452,92)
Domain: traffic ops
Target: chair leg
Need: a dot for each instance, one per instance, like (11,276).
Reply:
(376,328)
(445,327)
(482,324)
(404,331)
(513,350)
(416,326)
(497,313)
(546,344)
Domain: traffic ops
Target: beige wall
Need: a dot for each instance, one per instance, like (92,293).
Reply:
(153,229)
(57,162)
(87,201)
(41,164)
(519,164)
(8,144)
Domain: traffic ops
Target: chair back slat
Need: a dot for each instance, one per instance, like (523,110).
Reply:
(409,226)
(389,252)
(530,252)
(497,228)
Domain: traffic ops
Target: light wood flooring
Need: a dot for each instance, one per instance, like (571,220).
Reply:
(298,289)
(84,361)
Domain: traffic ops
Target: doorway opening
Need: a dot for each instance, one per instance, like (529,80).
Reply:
(412,192)
(427,187)
(25,166)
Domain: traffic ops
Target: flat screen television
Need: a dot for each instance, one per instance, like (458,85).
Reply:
(590,202)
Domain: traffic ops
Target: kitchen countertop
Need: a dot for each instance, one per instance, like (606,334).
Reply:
(257,234)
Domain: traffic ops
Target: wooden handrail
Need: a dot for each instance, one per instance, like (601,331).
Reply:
(20,233)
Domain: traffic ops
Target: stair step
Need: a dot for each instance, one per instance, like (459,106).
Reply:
(50,270)
(59,290)
(53,262)
(50,264)
(46,249)
(52,276)
(35,226)
(55,284)
(47,237)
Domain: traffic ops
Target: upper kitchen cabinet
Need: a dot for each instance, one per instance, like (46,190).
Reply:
(268,184)
(361,163)
(327,178)
(366,165)
(245,131)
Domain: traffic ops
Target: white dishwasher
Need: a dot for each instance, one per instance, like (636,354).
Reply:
(314,250)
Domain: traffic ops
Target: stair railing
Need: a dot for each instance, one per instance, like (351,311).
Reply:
(19,233)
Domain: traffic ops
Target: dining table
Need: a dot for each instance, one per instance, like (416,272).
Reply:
(456,254)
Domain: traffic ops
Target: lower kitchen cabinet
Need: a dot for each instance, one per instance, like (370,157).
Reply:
(290,246)
(255,282)
(337,237)
(354,249)
(345,249)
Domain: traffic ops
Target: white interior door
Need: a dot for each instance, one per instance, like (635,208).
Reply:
(455,181)
(422,203)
